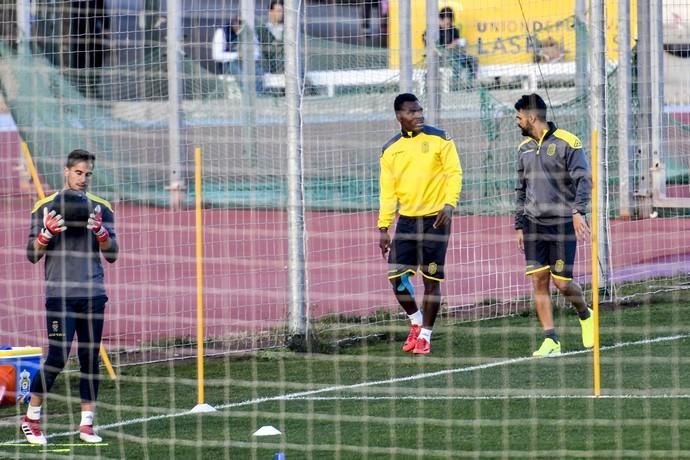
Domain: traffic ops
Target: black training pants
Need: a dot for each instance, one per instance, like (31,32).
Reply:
(64,318)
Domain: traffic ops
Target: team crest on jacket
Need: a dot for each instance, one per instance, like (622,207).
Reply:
(425,147)
(551,150)
(559,265)
(433,268)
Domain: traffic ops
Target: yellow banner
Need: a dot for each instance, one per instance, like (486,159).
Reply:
(499,31)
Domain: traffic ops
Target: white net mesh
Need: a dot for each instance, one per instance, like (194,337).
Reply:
(143,89)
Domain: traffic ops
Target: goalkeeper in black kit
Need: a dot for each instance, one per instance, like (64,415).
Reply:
(70,230)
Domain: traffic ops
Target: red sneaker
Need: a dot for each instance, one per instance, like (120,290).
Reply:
(87,434)
(411,340)
(32,430)
(423,347)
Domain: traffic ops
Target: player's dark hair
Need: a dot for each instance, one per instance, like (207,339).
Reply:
(402,98)
(79,155)
(446,13)
(532,103)
(274,3)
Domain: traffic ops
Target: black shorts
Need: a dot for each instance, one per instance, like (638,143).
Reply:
(550,247)
(418,245)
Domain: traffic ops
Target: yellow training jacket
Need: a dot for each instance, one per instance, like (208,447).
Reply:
(421,173)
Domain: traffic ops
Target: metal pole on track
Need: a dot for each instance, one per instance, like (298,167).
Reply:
(432,64)
(405,33)
(175,116)
(624,109)
(598,111)
(297,316)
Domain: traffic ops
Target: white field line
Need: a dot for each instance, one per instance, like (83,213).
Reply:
(489,397)
(306,394)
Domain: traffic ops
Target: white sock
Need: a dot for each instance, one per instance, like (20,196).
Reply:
(416,318)
(86,418)
(33,412)
(425,334)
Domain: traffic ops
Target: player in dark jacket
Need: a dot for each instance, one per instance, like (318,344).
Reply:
(554,187)
(71,229)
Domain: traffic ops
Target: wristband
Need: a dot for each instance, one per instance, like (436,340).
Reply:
(102,235)
(44,237)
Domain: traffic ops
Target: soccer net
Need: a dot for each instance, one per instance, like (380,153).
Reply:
(287,246)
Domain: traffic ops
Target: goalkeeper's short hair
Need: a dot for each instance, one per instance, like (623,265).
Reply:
(79,155)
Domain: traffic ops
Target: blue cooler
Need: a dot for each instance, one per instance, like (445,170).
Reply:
(27,362)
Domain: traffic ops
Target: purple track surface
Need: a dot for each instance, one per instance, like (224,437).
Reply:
(152,288)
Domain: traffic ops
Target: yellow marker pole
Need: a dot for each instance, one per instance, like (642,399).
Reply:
(595,260)
(199,277)
(32,170)
(41,195)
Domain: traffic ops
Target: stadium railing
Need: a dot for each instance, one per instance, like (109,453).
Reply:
(527,75)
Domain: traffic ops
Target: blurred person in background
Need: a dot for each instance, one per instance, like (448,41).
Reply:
(225,50)
(367,12)
(88,37)
(454,48)
(271,36)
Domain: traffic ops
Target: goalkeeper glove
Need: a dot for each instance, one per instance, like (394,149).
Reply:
(53,223)
(95,224)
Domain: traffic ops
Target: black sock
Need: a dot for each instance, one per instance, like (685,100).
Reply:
(584,314)
(551,334)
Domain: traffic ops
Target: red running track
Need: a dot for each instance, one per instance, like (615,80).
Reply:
(152,287)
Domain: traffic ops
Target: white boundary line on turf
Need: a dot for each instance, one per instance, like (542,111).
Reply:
(488,397)
(303,394)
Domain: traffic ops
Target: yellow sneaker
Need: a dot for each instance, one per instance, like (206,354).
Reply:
(587,326)
(548,348)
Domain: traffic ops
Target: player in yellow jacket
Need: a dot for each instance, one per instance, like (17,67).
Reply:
(421,179)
